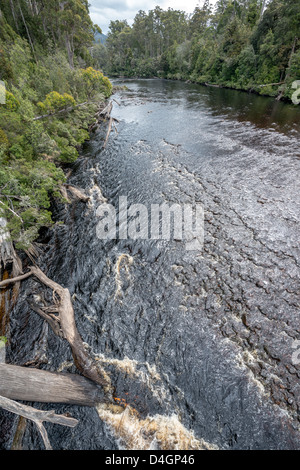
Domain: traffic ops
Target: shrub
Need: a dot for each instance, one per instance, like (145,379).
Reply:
(55,102)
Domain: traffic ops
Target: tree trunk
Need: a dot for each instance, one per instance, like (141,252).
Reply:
(288,67)
(70,52)
(35,385)
(27,31)
(108,132)
(82,359)
(14,14)
(262,9)
(38,417)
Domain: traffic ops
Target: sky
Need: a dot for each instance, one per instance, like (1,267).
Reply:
(103,11)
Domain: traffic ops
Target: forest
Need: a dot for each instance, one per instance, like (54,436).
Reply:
(52,94)
(248,45)
(141,343)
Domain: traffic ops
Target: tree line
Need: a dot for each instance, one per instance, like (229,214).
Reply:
(241,44)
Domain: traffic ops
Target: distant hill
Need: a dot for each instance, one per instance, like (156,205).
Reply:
(100,38)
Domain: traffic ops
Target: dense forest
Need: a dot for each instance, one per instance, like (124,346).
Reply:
(49,62)
(52,93)
(242,44)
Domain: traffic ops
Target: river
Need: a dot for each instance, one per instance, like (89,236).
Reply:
(200,343)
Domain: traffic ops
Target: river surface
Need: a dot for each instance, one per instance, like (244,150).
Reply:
(199,343)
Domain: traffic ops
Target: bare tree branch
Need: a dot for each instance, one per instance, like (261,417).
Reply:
(38,417)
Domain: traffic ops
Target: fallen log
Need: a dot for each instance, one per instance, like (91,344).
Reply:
(77,193)
(52,320)
(108,132)
(107,110)
(82,359)
(38,417)
(35,385)
(64,110)
(213,85)
(64,194)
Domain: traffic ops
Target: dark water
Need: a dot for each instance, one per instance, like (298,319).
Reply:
(200,343)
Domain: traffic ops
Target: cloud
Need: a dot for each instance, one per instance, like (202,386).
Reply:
(104,11)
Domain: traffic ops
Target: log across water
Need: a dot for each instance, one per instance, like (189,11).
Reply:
(34,385)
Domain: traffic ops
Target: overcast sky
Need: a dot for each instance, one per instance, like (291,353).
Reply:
(103,11)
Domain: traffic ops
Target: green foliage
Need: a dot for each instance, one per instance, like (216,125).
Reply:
(94,81)
(237,45)
(47,70)
(6,72)
(55,102)
(3,139)
(11,103)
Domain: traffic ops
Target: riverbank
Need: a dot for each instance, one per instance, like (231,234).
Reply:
(199,345)
(277,95)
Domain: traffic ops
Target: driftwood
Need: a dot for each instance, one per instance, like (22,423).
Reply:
(36,385)
(19,434)
(52,320)
(83,361)
(106,112)
(4,284)
(77,193)
(213,85)
(38,417)
(108,132)
(64,193)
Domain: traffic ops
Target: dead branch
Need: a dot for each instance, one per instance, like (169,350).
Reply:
(108,132)
(85,364)
(107,110)
(38,417)
(11,210)
(64,193)
(36,385)
(77,193)
(19,434)
(54,323)
(83,361)
(5,283)
(213,85)
(65,110)
(115,128)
